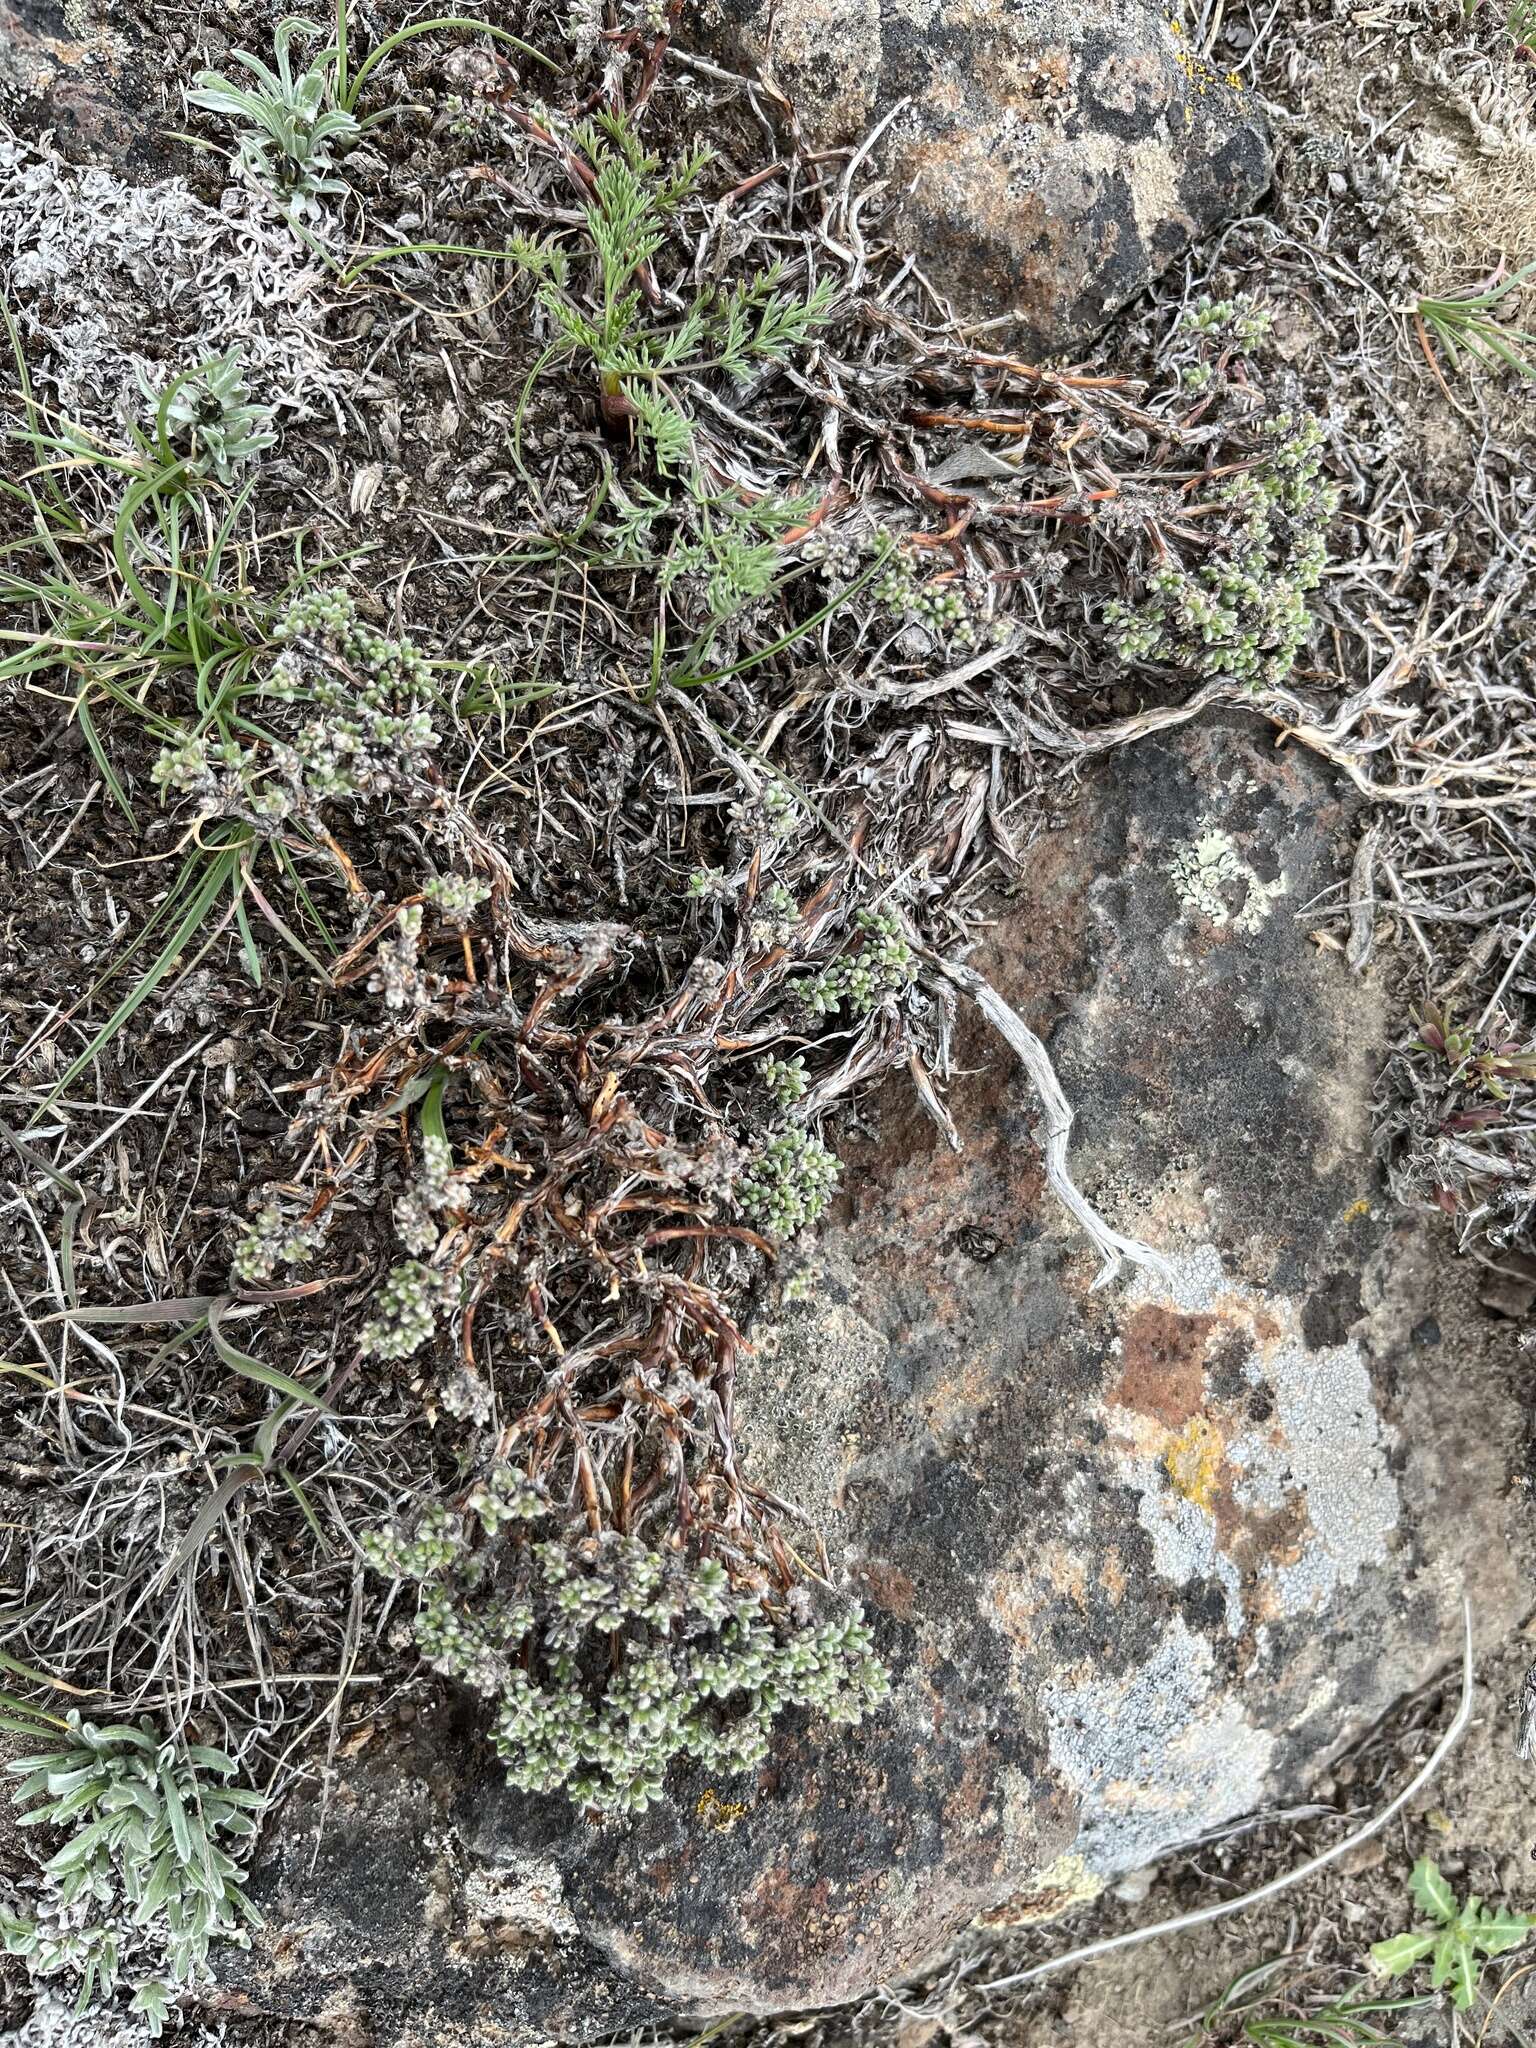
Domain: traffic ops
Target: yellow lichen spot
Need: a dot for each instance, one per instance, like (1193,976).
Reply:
(1066,1883)
(1356,1210)
(719,1814)
(1177,27)
(1235,80)
(1193,1459)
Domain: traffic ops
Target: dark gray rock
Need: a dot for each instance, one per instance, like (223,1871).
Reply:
(1053,155)
(86,74)
(1141,1558)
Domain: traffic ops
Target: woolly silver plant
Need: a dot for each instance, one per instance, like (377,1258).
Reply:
(105,279)
(289,128)
(206,416)
(147,1877)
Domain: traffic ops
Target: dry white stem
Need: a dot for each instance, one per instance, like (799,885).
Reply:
(1507,977)
(1362,900)
(1300,1874)
(1113,1249)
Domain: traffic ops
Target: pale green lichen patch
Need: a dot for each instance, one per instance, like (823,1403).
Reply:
(1214,882)
(1061,1885)
(1147,1749)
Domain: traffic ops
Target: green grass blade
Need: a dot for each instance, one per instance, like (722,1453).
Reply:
(252,1368)
(221,869)
(347,98)
(104,768)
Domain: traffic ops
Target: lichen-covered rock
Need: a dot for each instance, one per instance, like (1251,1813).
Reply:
(80,69)
(1140,1558)
(1052,155)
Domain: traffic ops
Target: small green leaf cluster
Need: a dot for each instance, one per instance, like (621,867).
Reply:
(1243,320)
(325,622)
(879,965)
(951,610)
(789,1179)
(506,1496)
(763,824)
(1455,1943)
(436,1187)
(205,417)
(268,1241)
(146,1881)
(785,1080)
(710,885)
(437,1168)
(1242,614)
(290,127)
(609,1659)
(456,898)
(366,732)
(772,813)
(405,1311)
(1208,334)
(430,1547)
(774,917)
(200,765)
(396,972)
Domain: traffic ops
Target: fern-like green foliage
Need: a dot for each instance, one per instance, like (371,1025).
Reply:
(608,312)
(731,544)
(144,1881)
(608,309)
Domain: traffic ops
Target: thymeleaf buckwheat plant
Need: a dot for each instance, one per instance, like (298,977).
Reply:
(608,1659)
(366,730)
(789,1180)
(1241,612)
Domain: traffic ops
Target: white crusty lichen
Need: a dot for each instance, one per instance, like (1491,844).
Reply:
(1151,1751)
(1184,1541)
(521,1896)
(1322,1454)
(1333,1456)
(1213,881)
